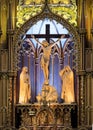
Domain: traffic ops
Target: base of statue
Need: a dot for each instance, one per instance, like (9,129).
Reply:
(48,94)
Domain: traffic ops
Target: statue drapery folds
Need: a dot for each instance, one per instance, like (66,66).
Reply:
(67,84)
(25,87)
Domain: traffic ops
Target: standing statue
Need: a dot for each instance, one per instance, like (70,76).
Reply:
(46,56)
(68,84)
(25,89)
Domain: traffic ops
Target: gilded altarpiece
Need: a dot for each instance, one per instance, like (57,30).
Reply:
(45,115)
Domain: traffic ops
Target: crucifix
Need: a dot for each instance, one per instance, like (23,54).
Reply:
(47,36)
(46,49)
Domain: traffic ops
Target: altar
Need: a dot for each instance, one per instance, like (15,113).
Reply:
(46,81)
(46,64)
(40,116)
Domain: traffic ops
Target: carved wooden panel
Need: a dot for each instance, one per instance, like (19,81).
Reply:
(55,115)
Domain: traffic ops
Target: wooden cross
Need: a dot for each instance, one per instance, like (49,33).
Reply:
(47,36)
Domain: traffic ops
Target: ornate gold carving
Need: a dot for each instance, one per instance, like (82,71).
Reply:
(83,128)
(88,57)
(3,75)
(41,116)
(22,128)
(30,2)
(82,100)
(65,9)
(59,1)
(82,31)
(8,128)
(21,32)
(49,15)
(25,13)
(67,128)
(45,118)
(10,32)
(3,5)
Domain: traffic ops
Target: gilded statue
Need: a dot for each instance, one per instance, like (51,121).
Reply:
(25,87)
(48,93)
(67,84)
(46,56)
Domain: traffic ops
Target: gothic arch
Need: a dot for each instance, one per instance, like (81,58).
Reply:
(46,13)
(46,111)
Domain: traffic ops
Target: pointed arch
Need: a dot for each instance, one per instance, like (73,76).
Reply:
(46,13)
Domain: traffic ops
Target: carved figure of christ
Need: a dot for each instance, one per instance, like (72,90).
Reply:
(46,47)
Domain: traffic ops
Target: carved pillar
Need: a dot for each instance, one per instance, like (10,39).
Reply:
(92,34)
(87,99)
(10,48)
(69,58)
(0,23)
(61,62)
(37,75)
(10,97)
(10,33)
(92,67)
(3,22)
(82,32)
(91,99)
(14,96)
(3,97)
(82,98)
(9,102)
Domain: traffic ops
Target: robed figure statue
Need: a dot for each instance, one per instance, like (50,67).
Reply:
(25,87)
(67,77)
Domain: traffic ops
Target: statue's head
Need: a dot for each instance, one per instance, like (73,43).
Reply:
(45,43)
(25,69)
(67,68)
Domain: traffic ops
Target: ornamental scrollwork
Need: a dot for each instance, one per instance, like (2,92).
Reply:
(27,9)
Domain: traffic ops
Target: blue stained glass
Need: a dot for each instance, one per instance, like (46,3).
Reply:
(55,28)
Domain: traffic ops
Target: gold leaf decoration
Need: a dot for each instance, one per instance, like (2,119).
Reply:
(29,8)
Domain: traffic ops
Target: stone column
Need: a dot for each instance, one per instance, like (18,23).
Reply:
(9,116)
(82,120)
(10,33)
(14,96)
(10,97)
(91,116)
(91,99)
(61,61)
(82,32)
(37,75)
(87,98)
(0,23)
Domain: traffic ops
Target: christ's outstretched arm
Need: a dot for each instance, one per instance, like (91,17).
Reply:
(58,40)
(36,40)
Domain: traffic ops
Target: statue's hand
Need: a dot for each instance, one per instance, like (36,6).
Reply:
(63,36)
(32,36)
